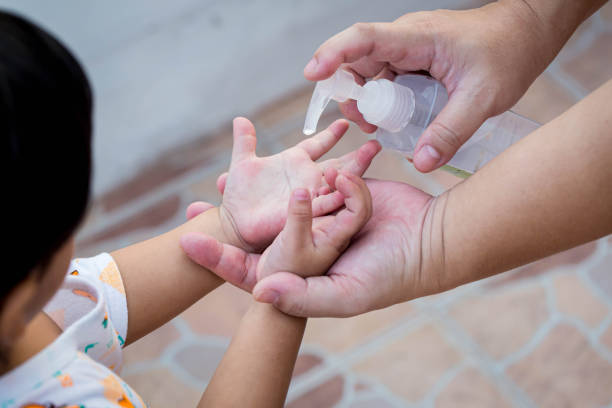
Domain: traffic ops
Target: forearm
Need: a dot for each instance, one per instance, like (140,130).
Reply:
(558,19)
(160,280)
(256,369)
(547,193)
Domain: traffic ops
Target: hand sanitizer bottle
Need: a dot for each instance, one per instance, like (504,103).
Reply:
(404,108)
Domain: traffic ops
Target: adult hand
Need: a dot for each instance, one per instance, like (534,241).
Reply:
(486,58)
(394,258)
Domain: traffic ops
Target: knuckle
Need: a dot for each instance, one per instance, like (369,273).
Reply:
(441,133)
(365,30)
(301,212)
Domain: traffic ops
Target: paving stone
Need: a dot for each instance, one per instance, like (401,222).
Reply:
(290,107)
(373,401)
(574,44)
(471,389)
(208,150)
(502,322)
(325,395)
(151,346)
(160,388)
(591,68)
(206,189)
(219,313)
(606,12)
(606,338)
(575,299)
(564,371)
(544,100)
(601,274)
(150,217)
(304,363)
(412,364)
(200,360)
(570,257)
(339,335)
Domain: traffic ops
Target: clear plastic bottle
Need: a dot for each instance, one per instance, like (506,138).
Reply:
(404,108)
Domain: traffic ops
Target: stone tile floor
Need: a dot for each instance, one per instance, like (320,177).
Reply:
(540,335)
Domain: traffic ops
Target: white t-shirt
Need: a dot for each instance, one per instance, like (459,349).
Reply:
(79,369)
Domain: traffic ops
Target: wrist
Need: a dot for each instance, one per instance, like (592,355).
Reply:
(433,269)
(553,21)
(230,231)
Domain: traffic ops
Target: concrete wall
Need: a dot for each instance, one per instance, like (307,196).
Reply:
(165,72)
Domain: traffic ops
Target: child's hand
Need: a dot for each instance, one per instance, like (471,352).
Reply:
(307,250)
(257,189)
(301,248)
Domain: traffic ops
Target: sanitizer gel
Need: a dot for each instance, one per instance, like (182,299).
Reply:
(402,110)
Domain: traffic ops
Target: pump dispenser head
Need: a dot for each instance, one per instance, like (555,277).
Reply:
(381,102)
(339,87)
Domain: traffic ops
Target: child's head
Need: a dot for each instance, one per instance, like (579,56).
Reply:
(45,126)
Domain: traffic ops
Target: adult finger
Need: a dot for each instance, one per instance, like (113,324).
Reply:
(449,131)
(221,182)
(196,208)
(317,296)
(230,263)
(244,140)
(350,111)
(400,45)
(319,144)
(298,227)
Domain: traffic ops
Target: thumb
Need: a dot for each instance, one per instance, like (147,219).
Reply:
(453,126)
(228,262)
(317,296)
(298,228)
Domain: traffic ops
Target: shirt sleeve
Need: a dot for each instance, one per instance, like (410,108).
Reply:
(99,271)
(102,271)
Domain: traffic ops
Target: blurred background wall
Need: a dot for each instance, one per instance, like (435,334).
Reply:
(166,72)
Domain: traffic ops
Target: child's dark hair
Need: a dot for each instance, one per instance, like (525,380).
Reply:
(45,125)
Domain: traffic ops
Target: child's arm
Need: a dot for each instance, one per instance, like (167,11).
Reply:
(256,369)
(258,365)
(161,281)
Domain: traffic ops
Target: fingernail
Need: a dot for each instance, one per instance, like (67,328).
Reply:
(311,67)
(427,157)
(267,296)
(301,194)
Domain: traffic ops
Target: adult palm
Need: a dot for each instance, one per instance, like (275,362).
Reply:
(382,266)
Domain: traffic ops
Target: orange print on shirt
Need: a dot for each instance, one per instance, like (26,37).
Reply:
(111,276)
(65,380)
(113,391)
(88,295)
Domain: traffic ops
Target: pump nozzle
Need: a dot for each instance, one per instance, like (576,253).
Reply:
(339,87)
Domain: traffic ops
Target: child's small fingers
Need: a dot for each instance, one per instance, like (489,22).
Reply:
(221,182)
(357,162)
(196,208)
(330,175)
(228,262)
(323,190)
(319,144)
(326,204)
(245,140)
(350,219)
(298,228)
(357,195)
